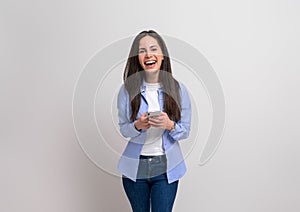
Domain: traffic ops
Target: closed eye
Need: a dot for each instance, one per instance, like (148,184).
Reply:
(141,51)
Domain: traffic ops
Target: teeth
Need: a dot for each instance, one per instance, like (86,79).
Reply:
(150,62)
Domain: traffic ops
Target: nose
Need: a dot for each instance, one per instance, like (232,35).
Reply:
(148,54)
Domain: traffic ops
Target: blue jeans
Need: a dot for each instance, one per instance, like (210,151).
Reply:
(151,188)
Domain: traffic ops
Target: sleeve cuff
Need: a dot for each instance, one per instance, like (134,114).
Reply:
(135,131)
(173,131)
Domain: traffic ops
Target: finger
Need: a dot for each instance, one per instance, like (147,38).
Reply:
(156,124)
(144,119)
(157,119)
(146,125)
(163,114)
(144,116)
(153,121)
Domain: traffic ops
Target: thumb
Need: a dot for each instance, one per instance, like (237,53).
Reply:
(144,116)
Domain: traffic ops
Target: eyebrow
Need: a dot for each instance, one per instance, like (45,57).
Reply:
(150,46)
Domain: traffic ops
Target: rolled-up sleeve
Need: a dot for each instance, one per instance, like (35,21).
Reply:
(182,127)
(127,127)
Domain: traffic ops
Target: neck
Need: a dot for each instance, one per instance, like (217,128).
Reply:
(152,77)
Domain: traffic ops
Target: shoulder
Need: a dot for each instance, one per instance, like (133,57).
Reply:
(123,93)
(122,89)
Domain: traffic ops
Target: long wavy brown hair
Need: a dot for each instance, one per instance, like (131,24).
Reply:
(134,75)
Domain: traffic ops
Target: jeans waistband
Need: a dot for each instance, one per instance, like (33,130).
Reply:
(153,157)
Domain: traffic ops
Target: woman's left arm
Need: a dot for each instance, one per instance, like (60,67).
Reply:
(177,130)
(182,127)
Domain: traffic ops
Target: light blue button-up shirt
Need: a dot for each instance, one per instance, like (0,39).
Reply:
(129,161)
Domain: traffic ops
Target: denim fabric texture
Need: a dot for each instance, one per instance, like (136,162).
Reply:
(151,166)
(151,189)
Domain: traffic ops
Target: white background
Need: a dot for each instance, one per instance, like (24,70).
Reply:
(252,45)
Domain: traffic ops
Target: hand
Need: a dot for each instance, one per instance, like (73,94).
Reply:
(142,123)
(161,121)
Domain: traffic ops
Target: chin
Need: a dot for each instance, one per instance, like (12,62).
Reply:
(152,70)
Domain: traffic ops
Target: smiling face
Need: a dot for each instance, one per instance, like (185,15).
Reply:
(150,54)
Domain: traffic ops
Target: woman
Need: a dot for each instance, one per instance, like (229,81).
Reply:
(152,162)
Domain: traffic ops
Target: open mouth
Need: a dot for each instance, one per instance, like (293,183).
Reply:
(150,63)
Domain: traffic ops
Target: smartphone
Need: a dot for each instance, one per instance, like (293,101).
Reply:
(152,114)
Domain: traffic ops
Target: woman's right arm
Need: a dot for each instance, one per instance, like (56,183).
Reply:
(127,127)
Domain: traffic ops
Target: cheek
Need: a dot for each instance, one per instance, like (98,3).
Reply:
(160,59)
(141,60)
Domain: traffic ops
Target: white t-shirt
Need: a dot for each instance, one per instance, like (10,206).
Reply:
(153,142)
